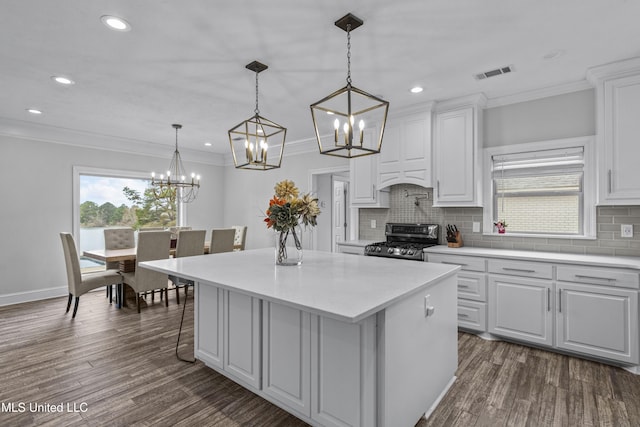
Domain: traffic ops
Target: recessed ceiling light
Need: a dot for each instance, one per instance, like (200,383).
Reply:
(554,54)
(416,89)
(62,80)
(115,23)
(34,111)
(207,144)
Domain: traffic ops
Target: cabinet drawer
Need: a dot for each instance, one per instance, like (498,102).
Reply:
(467,263)
(472,286)
(599,276)
(521,268)
(472,315)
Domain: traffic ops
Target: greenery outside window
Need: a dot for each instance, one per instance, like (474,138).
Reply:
(541,189)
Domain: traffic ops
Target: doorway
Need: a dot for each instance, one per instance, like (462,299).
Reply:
(331,187)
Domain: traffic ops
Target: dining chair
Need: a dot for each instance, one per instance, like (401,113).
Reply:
(118,238)
(152,245)
(190,243)
(240,237)
(222,240)
(81,283)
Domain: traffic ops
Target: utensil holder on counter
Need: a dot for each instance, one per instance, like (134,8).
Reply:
(458,243)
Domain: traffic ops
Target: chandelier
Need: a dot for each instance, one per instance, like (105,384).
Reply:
(256,137)
(350,122)
(176,182)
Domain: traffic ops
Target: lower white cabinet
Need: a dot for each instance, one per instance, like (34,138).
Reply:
(242,337)
(597,320)
(232,339)
(286,344)
(208,312)
(520,308)
(580,308)
(472,290)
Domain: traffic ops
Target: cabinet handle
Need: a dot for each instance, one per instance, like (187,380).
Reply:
(560,300)
(548,299)
(453,263)
(462,315)
(580,276)
(522,270)
(609,181)
(463,286)
(438,187)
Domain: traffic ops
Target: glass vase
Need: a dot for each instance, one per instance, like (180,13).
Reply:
(289,246)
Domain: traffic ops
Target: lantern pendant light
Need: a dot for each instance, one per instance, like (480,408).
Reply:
(257,143)
(349,122)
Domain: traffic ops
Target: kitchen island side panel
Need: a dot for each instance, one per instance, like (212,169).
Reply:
(418,353)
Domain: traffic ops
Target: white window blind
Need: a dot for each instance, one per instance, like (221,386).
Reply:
(539,192)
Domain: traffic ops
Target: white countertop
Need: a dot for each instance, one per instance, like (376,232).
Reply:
(358,243)
(555,257)
(345,287)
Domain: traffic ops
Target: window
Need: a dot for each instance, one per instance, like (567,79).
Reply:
(541,189)
(109,198)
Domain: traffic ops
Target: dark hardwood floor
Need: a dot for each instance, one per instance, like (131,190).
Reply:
(118,368)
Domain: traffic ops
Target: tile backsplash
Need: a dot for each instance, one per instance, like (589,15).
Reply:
(403,208)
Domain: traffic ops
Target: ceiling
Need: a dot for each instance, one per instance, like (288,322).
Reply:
(184,61)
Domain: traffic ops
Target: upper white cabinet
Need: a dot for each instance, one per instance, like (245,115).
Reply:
(406,150)
(618,103)
(456,148)
(365,191)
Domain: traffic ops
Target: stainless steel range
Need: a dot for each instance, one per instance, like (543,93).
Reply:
(405,241)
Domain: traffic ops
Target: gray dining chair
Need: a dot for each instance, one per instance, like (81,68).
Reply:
(118,238)
(152,245)
(222,240)
(190,243)
(240,237)
(80,283)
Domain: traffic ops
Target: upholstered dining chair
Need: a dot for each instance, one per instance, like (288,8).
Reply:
(240,237)
(190,243)
(81,283)
(152,245)
(117,238)
(222,240)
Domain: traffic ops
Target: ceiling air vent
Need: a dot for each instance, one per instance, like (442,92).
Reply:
(492,73)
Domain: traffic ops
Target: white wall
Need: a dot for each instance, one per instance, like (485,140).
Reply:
(247,193)
(37,205)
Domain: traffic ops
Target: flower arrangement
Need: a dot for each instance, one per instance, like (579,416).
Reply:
(287,210)
(501,225)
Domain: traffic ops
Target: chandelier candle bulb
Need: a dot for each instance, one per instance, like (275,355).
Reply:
(361,126)
(336,126)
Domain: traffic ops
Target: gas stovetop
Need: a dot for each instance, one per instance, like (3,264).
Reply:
(405,241)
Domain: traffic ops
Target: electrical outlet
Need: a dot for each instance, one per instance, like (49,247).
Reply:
(373,223)
(626,230)
(476,227)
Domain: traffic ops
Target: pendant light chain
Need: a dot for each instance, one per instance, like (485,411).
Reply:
(348,54)
(257,111)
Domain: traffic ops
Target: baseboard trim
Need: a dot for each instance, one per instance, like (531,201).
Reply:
(29,296)
(439,398)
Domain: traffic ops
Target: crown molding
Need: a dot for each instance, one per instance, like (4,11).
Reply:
(57,135)
(535,94)
(613,70)
(477,100)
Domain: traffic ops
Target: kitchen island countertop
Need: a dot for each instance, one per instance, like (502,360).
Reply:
(343,287)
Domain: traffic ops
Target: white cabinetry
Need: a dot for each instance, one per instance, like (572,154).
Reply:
(232,339)
(472,290)
(618,103)
(365,192)
(406,152)
(457,161)
(598,320)
(286,363)
(520,298)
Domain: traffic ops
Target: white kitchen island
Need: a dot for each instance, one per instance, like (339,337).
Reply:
(338,341)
